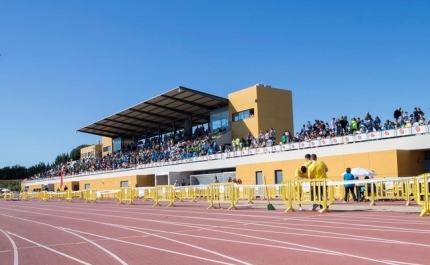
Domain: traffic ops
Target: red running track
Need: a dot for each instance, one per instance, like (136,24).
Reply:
(55,232)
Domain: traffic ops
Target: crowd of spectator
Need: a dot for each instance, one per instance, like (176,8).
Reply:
(343,126)
(202,142)
(178,147)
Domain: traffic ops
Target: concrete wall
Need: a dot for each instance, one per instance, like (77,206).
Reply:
(386,157)
(392,163)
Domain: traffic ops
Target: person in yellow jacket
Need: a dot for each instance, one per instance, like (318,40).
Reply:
(308,161)
(317,170)
(299,174)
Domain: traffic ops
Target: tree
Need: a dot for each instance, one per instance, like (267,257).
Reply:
(63,158)
(75,154)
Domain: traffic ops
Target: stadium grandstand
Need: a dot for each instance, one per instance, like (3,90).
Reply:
(192,137)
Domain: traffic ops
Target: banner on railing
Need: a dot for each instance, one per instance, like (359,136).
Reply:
(304,144)
(403,131)
(361,137)
(420,129)
(388,133)
(326,142)
(336,140)
(276,148)
(294,146)
(348,139)
(315,143)
(285,147)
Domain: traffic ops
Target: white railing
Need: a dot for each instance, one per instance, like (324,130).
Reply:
(357,138)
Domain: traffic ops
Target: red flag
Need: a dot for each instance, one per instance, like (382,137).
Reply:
(61,176)
(24,180)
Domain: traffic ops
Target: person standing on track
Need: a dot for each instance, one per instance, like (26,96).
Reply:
(317,170)
(349,186)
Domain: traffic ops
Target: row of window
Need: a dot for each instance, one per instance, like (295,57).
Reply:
(260,181)
(122,184)
(107,149)
(241,115)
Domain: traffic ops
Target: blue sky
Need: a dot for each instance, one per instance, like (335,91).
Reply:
(66,64)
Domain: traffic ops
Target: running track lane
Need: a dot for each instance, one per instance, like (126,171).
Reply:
(194,235)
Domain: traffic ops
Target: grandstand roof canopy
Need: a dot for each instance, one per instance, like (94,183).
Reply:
(144,119)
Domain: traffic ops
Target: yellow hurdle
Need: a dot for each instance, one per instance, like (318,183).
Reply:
(149,194)
(309,191)
(164,193)
(44,196)
(126,195)
(422,193)
(273,191)
(24,196)
(68,196)
(185,193)
(245,193)
(222,193)
(90,196)
(398,189)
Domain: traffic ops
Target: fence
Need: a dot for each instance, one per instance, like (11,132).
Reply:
(222,193)
(315,191)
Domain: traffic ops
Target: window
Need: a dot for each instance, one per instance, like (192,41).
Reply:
(123,184)
(87,186)
(238,116)
(219,120)
(117,144)
(278,177)
(107,148)
(258,178)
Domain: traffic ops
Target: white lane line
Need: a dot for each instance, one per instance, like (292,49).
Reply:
(315,249)
(254,237)
(347,226)
(182,243)
(155,248)
(137,229)
(164,250)
(96,245)
(15,249)
(403,263)
(252,223)
(218,231)
(50,249)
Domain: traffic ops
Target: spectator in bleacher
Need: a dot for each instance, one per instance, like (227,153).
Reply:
(397,114)
(353,126)
(249,139)
(421,119)
(343,123)
(377,123)
(283,139)
(272,134)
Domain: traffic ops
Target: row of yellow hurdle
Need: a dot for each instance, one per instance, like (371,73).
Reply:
(317,191)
